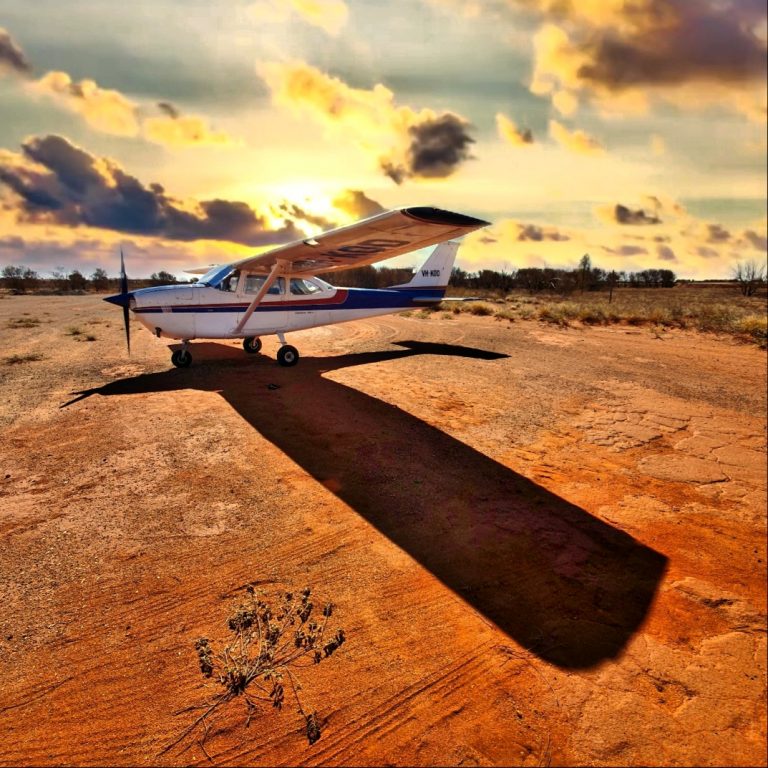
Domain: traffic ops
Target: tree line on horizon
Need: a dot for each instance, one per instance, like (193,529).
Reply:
(585,277)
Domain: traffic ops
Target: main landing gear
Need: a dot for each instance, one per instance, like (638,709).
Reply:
(287,355)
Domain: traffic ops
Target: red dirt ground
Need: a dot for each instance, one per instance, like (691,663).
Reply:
(544,545)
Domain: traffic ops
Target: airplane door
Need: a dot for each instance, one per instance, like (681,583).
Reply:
(271,315)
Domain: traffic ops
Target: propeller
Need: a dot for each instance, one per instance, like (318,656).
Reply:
(124,292)
(123,299)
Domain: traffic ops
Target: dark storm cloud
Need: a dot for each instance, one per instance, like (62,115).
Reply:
(438,146)
(676,42)
(624,215)
(11,55)
(75,188)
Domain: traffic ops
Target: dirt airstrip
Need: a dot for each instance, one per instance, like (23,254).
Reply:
(546,546)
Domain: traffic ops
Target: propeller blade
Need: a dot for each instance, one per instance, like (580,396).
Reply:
(126,310)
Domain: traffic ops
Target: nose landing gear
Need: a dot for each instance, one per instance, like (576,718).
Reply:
(182,358)
(252,345)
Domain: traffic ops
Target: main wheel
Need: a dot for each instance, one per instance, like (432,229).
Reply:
(181,358)
(252,345)
(287,355)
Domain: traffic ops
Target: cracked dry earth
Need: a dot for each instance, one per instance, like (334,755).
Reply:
(546,546)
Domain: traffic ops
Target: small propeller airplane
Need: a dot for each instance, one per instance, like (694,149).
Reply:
(277,291)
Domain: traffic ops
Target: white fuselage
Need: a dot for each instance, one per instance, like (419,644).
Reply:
(205,312)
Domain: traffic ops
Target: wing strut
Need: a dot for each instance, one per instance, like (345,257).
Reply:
(278,268)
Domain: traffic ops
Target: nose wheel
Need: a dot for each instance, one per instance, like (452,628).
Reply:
(252,345)
(182,358)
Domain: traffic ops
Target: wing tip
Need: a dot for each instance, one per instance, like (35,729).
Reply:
(441,216)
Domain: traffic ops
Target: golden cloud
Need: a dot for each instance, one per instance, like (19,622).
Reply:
(103,109)
(109,111)
(513,135)
(575,141)
(176,130)
(403,142)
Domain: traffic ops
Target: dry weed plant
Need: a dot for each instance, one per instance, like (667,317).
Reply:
(266,647)
(31,357)
(23,322)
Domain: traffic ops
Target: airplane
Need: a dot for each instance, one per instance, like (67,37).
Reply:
(277,292)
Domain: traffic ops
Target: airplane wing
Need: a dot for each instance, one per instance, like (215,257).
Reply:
(365,242)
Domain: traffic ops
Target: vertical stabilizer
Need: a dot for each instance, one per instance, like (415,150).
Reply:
(435,272)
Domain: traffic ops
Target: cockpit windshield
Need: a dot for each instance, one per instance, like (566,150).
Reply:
(215,275)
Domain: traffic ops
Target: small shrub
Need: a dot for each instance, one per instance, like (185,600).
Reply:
(31,357)
(755,327)
(73,330)
(526,313)
(505,314)
(23,322)
(480,309)
(593,316)
(446,315)
(266,644)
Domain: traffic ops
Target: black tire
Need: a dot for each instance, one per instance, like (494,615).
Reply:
(287,355)
(252,345)
(181,358)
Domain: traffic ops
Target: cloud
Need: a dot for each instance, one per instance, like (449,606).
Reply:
(510,230)
(12,58)
(626,250)
(575,141)
(717,234)
(513,135)
(438,145)
(356,204)
(618,53)
(173,129)
(665,253)
(620,214)
(109,111)
(103,109)
(757,241)
(56,182)
(329,15)
(404,143)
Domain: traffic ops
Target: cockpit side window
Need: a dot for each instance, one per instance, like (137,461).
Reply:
(253,284)
(229,283)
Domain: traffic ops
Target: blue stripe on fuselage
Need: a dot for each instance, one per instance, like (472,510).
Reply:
(357,298)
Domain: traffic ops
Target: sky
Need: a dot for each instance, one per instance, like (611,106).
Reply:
(191,133)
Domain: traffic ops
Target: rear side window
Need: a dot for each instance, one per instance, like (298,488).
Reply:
(301,287)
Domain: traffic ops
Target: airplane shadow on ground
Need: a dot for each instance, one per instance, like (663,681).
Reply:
(565,585)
